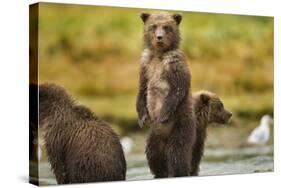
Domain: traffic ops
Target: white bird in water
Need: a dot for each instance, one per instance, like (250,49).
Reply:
(260,135)
(127,144)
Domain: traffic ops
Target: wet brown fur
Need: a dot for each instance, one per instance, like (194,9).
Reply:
(80,147)
(164,97)
(208,109)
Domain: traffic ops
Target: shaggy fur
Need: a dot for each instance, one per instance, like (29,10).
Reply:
(80,147)
(164,97)
(208,109)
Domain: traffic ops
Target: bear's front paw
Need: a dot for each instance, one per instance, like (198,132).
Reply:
(143,120)
(162,119)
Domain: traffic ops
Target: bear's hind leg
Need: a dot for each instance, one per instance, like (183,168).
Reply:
(155,155)
(61,175)
(197,154)
(179,151)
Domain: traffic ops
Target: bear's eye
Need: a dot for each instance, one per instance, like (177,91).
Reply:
(153,27)
(220,106)
(167,28)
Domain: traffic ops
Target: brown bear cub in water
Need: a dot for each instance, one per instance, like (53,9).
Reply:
(164,99)
(208,109)
(80,147)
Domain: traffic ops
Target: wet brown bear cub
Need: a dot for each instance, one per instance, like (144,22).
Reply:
(80,147)
(164,97)
(208,109)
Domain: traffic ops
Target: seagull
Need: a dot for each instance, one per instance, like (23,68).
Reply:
(127,144)
(260,135)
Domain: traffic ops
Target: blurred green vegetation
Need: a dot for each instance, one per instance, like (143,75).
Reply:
(94,53)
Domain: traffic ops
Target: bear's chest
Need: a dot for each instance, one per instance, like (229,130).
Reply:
(155,69)
(157,88)
(155,75)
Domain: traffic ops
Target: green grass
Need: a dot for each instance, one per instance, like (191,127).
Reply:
(94,52)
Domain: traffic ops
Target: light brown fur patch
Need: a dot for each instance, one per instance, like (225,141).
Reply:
(158,88)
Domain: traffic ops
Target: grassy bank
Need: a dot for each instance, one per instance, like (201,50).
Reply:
(94,53)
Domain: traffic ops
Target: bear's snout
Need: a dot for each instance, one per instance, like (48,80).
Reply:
(228,117)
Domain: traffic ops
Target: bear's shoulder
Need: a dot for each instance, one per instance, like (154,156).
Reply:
(174,56)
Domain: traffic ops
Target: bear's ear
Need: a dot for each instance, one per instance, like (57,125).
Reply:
(144,16)
(205,98)
(177,18)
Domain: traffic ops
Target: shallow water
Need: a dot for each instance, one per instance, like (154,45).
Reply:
(216,161)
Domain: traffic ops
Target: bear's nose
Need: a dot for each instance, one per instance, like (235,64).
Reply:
(159,37)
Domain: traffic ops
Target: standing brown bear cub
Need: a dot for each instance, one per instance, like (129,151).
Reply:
(208,109)
(80,147)
(164,98)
